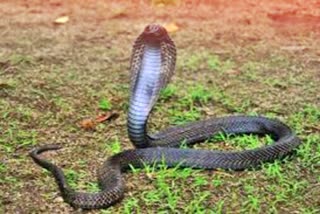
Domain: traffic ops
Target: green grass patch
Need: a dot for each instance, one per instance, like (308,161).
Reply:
(168,92)
(207,60)
(178,117)
(14,138)
(76,181)
(113,145)
(19,59)
(105,104)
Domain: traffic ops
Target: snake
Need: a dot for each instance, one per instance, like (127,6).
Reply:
(152,65)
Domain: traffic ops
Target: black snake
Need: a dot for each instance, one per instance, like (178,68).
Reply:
(152,65)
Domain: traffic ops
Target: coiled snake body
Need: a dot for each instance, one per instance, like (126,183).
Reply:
(152,65)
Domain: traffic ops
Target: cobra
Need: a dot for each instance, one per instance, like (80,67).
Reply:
(152,65)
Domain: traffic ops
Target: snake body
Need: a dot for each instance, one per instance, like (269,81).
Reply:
(152,65)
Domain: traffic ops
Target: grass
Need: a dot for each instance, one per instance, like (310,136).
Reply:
(114,146)
(240,142)
(205,59)
(165,192)
(105,104)
(51,77)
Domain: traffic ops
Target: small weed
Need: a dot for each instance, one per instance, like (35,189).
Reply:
(228,102)
(252,204)
(3,167)
(181,117)
(63,105)
(209,61)
(218,208)
(9,180)
(15,138)
(8,84)
(92,187)
(76,181)
(114,145)
(200,181)
(151,197)
(241,141)
(273,170)
(197,205)
(310,115)
(17,59)
(199,94)
(309,151)
(185,173)
(72,177)
(168,92)
(166,192)
(104,104)
(25,138)
(131,205)
(214,62)
(217,181)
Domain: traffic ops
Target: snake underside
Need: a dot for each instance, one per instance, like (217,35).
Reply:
(152,65)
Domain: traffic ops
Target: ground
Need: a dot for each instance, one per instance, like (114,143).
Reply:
(234,57)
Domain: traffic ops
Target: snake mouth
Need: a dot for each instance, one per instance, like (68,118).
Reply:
(155,33)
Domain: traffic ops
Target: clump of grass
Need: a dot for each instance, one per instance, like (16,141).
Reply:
(76,181)
(178,117)
(250,70)
(168,92)
(216,64)
(105,104)
(273,170)
(194,95)
(309,151)
(63,105)
(199,94)
(207,60)
(213,62)
(113,145)
(3,167)
(217,181)
(197,205)
(193,62)
(19,59)
(166,196)
(131,205)
(14,138)
(307,118)
(241,142)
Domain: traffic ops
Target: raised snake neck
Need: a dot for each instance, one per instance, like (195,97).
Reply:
(152,65)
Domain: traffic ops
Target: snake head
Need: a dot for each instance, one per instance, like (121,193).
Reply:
(155,33)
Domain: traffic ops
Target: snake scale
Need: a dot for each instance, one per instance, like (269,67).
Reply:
(152,65)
